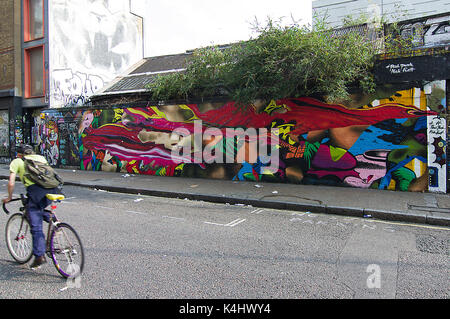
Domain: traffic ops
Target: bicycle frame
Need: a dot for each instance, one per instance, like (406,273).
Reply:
(52,223)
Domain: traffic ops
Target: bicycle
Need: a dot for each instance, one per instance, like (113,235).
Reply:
(63,245)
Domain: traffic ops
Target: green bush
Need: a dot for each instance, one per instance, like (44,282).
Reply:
(282,61)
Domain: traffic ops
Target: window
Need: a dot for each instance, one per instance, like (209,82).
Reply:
(34,72)
(33,19)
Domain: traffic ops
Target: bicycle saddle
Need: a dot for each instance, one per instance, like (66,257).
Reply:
(54,197)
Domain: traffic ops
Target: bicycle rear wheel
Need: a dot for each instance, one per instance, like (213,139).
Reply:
(18,238)
(66,251)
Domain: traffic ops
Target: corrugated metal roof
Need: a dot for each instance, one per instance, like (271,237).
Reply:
(131,83)
(137,79)
(163,63)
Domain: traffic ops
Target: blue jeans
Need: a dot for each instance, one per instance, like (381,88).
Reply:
(37,202)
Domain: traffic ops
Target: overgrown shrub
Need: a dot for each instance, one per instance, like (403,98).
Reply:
(281,61)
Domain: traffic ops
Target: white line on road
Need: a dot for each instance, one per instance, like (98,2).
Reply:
(171,217)
(230,224)
(235,222)
(210,223)
(103,207)
(134,212)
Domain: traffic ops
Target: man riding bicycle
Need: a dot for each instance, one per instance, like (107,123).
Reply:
(37,200)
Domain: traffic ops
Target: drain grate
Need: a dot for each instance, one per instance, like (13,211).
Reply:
(432,244)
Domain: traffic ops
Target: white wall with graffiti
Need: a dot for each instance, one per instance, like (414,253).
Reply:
(90,43)
(437,169)
(391,10)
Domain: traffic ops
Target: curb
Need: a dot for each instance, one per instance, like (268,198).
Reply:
(437,219)
(421,217)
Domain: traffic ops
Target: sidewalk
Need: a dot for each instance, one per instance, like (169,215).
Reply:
(424,208)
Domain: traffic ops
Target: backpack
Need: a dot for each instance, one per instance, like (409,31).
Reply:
(41,173)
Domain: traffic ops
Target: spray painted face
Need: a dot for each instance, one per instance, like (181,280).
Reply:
(169,140)
(86,121)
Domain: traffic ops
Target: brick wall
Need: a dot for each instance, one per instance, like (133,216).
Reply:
(6,44)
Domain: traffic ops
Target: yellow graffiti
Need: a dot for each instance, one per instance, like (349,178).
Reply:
(117,115)
(158,114)
(336,153)
(118,125)
(193,117)
(139,112)
(161,172)
(283,131)
(274,106)
(414,96)
(133,167)
(51,125)
(417,166)
(180,167)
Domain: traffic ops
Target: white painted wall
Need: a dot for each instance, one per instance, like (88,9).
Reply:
(90,43)
(436,135)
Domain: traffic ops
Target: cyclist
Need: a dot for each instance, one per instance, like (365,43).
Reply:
(37,201)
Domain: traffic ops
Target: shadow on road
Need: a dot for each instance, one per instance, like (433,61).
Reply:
(13,272)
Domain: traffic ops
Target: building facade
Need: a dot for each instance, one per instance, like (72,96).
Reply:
(394,139)
(336,11)
(56,53)
(425,69)
(10,71)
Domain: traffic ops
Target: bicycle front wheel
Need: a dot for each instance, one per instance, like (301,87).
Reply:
(67,251)
(18,238)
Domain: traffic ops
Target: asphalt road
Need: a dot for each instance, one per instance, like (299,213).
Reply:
(148,247)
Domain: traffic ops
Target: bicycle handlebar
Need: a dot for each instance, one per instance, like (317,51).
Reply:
(22,197)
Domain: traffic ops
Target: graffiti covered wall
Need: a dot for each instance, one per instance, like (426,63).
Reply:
(91,42)
(384,144)
(4,133)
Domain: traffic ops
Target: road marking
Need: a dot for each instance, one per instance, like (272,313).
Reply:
(412,225)
(171,217)
(235,222)
(257,211)
(211,223)
(134,212)
(230,224)
(365,221)
(103,207)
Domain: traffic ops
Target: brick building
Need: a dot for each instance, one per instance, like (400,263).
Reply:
(56,53)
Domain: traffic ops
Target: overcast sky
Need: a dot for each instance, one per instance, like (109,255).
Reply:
(174,26)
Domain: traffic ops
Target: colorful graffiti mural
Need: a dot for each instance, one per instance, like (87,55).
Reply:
(379,145)
(4,133)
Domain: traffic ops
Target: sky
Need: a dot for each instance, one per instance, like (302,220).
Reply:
(174,26)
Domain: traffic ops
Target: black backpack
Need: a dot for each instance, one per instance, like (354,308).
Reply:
(41,173)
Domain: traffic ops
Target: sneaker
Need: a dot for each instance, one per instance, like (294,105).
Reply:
(38,261)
